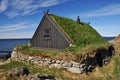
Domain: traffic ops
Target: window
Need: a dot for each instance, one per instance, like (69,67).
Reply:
(46,34)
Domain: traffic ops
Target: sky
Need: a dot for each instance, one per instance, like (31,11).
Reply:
(20,18)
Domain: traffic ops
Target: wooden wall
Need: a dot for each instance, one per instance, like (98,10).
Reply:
(56,40)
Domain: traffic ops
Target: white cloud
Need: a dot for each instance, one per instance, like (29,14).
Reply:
(48,3)
(25,7)
(12,14)
(3,5)
(14,27)
(105,11)
(17,27)
(16,35)
(14,30)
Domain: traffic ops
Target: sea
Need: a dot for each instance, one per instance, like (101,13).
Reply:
(7,45)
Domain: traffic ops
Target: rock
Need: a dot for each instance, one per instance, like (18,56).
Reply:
(82,65)
(40,77)
(53,61)
(45,77)
(75,64)
(30,58)
(67,64)
(46,59)
(33,77)
(58,66)
(74,70)
(22,73)
(83,70)
(19,71)
(58,61)
(36,62)
(45,64)
(13,54)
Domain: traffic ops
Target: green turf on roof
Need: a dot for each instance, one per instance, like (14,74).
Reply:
(82,34)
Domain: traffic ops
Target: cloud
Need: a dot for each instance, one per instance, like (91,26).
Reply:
(105,11)
(14,27)
(16,35)
(3,5)
(12,14)
(19,30)
(25,7)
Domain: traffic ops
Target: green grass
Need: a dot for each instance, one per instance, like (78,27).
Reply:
(112,70)
(57,73)
(25,49)
(81,34)
(117,66)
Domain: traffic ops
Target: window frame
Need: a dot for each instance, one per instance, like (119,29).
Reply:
(46,34)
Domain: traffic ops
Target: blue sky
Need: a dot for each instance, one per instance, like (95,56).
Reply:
(20,18)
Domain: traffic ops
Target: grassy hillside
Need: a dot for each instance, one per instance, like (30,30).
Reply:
(108,72)
(81,34)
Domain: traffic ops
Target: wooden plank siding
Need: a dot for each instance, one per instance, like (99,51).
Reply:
(57,39)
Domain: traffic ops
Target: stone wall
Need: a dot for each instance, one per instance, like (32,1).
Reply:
(72,66)
(87,65)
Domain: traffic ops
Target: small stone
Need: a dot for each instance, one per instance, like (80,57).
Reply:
(53,61)
(33,77)
(13,54)
(75,70)
(82,65)
(30,58)
(67,64)
(46,59)
(75,64)
(58,66)
(45,64)
(58,61)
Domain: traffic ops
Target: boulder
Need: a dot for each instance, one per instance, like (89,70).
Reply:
(18,71)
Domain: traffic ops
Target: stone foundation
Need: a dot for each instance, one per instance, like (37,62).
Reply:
(102,57)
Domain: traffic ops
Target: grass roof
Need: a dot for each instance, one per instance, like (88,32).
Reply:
(81,34)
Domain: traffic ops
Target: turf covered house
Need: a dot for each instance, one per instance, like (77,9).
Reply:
(56,32)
